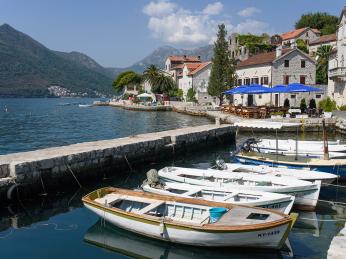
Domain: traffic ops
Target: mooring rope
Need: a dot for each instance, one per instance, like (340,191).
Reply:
(323,220)
(69,168)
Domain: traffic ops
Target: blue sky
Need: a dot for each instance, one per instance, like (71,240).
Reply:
(118,33)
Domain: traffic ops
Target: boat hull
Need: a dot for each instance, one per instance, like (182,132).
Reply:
(268,237)
(337,169)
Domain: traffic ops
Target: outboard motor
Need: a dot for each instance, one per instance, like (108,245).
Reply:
(220,164)
(153,179)
(246,146)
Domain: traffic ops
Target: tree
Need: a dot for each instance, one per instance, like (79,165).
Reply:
(222,76)
(303,105)
(312,104)
(127,78)
(191,95)
(322,21)
(323,53)
(302,45)
(151,74)
(287,103)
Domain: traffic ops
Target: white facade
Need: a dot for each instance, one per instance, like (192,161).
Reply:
(198,81)
(337,65)
(313,48)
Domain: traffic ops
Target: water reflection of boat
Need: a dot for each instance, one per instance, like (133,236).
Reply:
(126,243)
(308,222)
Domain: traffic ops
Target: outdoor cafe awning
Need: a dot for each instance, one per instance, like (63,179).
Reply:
(264,124)
(260,89)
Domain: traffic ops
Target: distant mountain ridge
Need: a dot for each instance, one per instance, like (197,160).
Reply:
(28,68)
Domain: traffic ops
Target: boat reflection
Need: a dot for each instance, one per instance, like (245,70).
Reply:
(107,236)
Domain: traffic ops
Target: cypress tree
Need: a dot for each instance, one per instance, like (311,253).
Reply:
(222,76)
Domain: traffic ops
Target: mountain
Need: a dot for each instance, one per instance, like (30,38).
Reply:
(28,68)
(159,55)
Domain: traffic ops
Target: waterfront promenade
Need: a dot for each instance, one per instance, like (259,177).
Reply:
(58,167)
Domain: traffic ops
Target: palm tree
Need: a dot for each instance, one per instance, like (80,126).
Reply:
(323,53)
(160,83)
(151,74)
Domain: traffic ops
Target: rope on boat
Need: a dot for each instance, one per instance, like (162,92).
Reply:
(128,163)
(335,185)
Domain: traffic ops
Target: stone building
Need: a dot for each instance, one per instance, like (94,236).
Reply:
(306,34)
(337,65)
(283,66)
(196,76)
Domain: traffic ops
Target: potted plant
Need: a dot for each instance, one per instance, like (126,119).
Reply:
(276,115)
(303,105)
(328,107)
(287,103)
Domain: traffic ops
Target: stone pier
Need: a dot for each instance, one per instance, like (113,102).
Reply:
(58,167)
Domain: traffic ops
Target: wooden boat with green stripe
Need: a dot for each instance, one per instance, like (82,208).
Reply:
(190,221)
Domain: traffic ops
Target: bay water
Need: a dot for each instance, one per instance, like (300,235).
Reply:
(58,226)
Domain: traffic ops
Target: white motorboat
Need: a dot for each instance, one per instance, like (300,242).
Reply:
(190,221)
(301,174)
(290,145)
(306,193)
(275,201)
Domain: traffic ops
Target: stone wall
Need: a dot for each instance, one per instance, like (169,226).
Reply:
(59,167)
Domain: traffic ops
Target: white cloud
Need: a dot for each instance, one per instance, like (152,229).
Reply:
(159,8)
(247,12)
(173,24)
(213,9)
(251,26)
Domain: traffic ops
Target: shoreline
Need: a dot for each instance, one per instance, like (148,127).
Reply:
(335,123)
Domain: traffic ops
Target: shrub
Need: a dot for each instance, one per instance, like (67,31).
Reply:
(327,105)
(303,105)
(287,103)
(191,95)
(312,104)
(342,108)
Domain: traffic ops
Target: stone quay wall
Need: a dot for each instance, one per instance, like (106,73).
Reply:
(42,170)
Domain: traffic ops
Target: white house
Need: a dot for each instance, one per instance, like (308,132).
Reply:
(196,76)
(337,65)
(174,64)
(324,40)
(283,66)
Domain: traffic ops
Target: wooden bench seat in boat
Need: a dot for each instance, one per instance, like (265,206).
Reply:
(150,207)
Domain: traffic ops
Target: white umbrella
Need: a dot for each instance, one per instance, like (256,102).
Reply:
(146,95)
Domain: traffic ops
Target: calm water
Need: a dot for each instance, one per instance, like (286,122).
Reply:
(58,226)
(37,123)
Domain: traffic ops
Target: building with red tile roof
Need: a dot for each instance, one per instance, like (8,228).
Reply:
(306,34)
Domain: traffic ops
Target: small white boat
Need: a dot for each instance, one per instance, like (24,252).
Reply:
(308,142)
(275,201)
(190,221)
(290,145)
(301,174)
(311,154)
(306,193)
(84,105)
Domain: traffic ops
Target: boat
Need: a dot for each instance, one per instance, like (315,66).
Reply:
(275,201)
(303,146)
(306,193)
(334,166)
(301,174)
(84,105)
(190,221)
(129,245)
(307,142)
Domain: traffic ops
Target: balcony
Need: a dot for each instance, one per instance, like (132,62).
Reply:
(337,72)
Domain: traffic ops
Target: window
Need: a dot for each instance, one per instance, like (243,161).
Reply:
(259,96)
(254,80)
(302,80)
(242,96)
(205,97)
(302,63)
(264,80)
(240,81)
(286,80)
(293,96)
(287,63)
(318,96)
(247,81)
